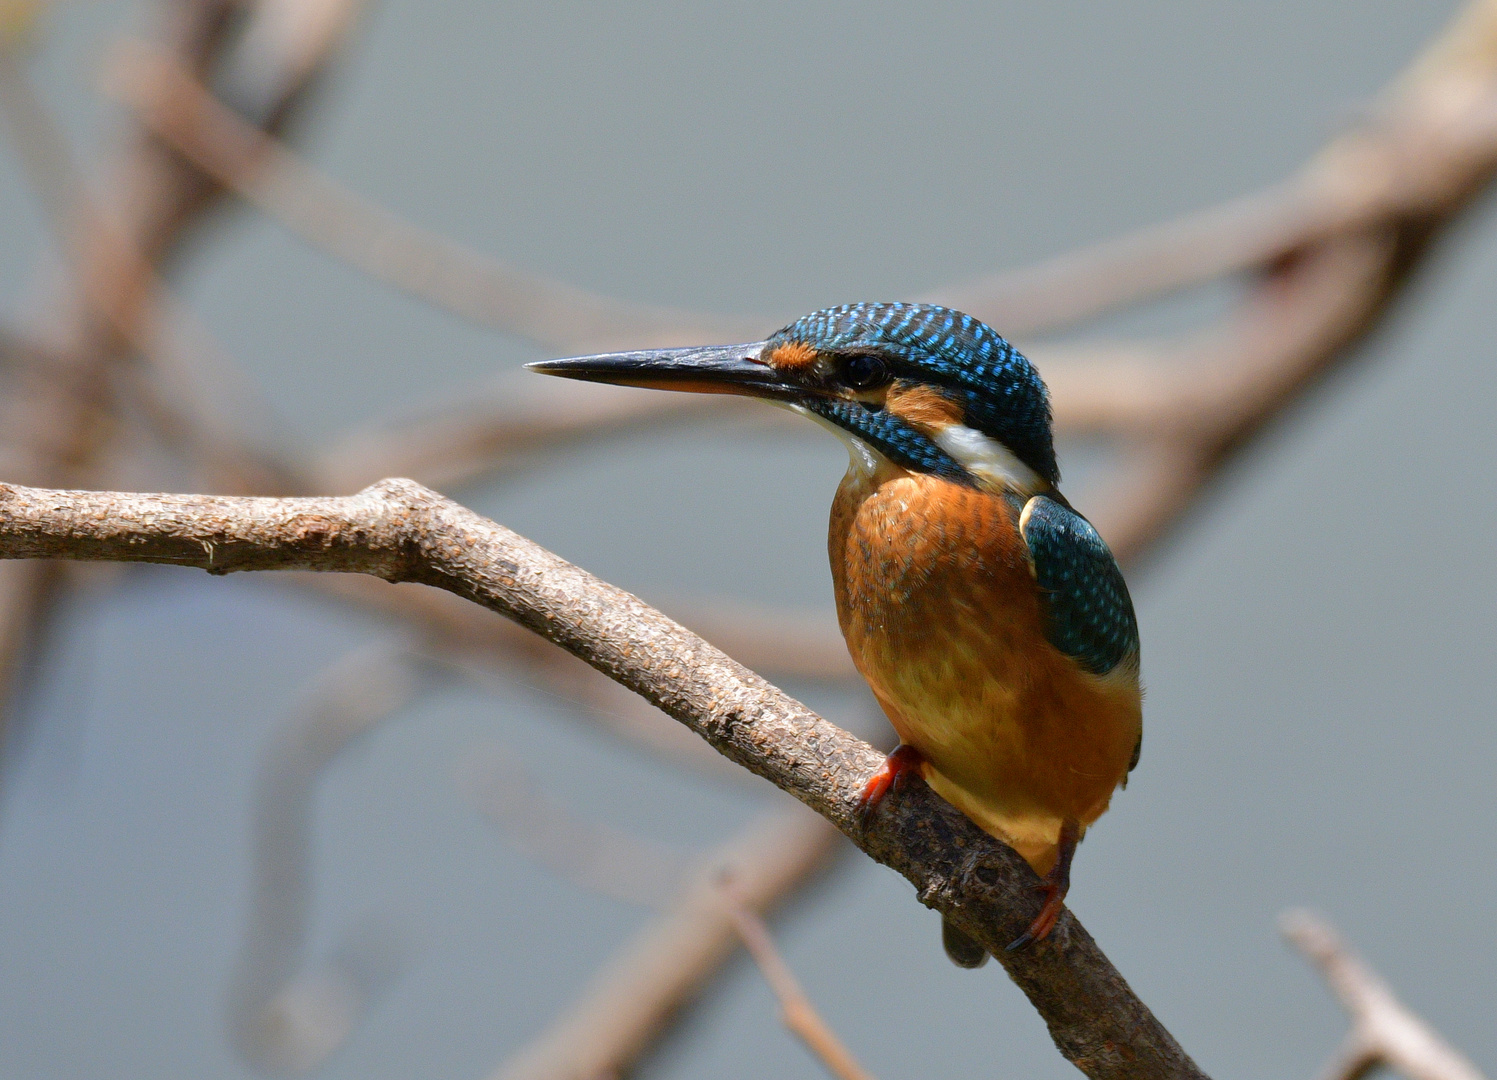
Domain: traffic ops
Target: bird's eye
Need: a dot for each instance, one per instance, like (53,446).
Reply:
(864,372)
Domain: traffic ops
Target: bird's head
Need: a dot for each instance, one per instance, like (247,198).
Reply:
(922,386)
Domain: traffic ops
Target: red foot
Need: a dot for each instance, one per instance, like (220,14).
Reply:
(1044,922)
(1055,886)
(904,760)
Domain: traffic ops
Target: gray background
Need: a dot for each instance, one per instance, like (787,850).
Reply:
(1317,638)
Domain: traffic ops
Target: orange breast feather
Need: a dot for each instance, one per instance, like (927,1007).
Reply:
(942,616)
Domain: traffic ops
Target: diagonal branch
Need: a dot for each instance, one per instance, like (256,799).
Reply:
(280,1017)
(504,421)
(484,290)
(796,1011)
(634,996)
(1384,1031)
(400,531)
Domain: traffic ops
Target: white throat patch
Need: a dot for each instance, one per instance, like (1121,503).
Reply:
(862,458)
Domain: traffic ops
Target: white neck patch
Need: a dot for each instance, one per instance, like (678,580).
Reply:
(988,459)
(981,455)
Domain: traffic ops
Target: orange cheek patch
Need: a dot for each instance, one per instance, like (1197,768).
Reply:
(923,407)
(792,356)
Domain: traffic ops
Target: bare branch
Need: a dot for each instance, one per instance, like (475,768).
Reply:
(1284,338)
(661,969)
(400,531)
(796,1011)
(285,45)
(1384,1031)
(504,422)
(1069,288)
(1430,142)
(72,414)
(281,1019)
(478,288)
(184,387)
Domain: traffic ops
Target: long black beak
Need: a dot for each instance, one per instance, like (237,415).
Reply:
(710,369)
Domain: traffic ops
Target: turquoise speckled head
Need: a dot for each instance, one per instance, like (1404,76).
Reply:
(1001,393)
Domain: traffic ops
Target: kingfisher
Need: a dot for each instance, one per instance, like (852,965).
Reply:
(986,614)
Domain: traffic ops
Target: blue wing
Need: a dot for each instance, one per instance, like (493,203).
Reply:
(1088,612)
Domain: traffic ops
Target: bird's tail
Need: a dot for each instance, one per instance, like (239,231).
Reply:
(964,952)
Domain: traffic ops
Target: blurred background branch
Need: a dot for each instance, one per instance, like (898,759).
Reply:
(1384,1034)
(633,998)
(282,1019)
(796,1011)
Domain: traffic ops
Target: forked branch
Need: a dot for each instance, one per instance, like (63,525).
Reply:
(1383,1031)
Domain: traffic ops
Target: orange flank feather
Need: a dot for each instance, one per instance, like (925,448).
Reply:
(942,616)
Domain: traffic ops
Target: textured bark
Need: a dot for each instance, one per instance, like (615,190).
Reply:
(401,531)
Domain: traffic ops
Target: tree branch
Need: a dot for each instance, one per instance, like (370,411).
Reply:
(400,531)
(504,421)
(280,1018)
(484,290)
(796,1011)
(1384,1031)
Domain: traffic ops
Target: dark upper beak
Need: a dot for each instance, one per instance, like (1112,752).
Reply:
(710,369)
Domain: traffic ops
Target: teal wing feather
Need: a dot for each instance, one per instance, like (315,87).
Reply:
(1088,612)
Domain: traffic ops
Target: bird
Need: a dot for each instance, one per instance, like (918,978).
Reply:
(987,615)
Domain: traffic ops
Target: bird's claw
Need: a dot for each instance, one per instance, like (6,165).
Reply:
(1055,886)
(1044,922)
(890,777)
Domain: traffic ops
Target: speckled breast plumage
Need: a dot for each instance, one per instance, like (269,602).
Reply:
(943,616)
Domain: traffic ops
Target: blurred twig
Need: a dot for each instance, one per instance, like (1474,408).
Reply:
(58,420)
(505,421)
(463,634)
(1384,1032)
(1422,151)
(1385,190)
(647,982)
(285,47)
(60,424)
(365,235)
(796,1011)
(184,386)
(614,863)
(281,1020)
